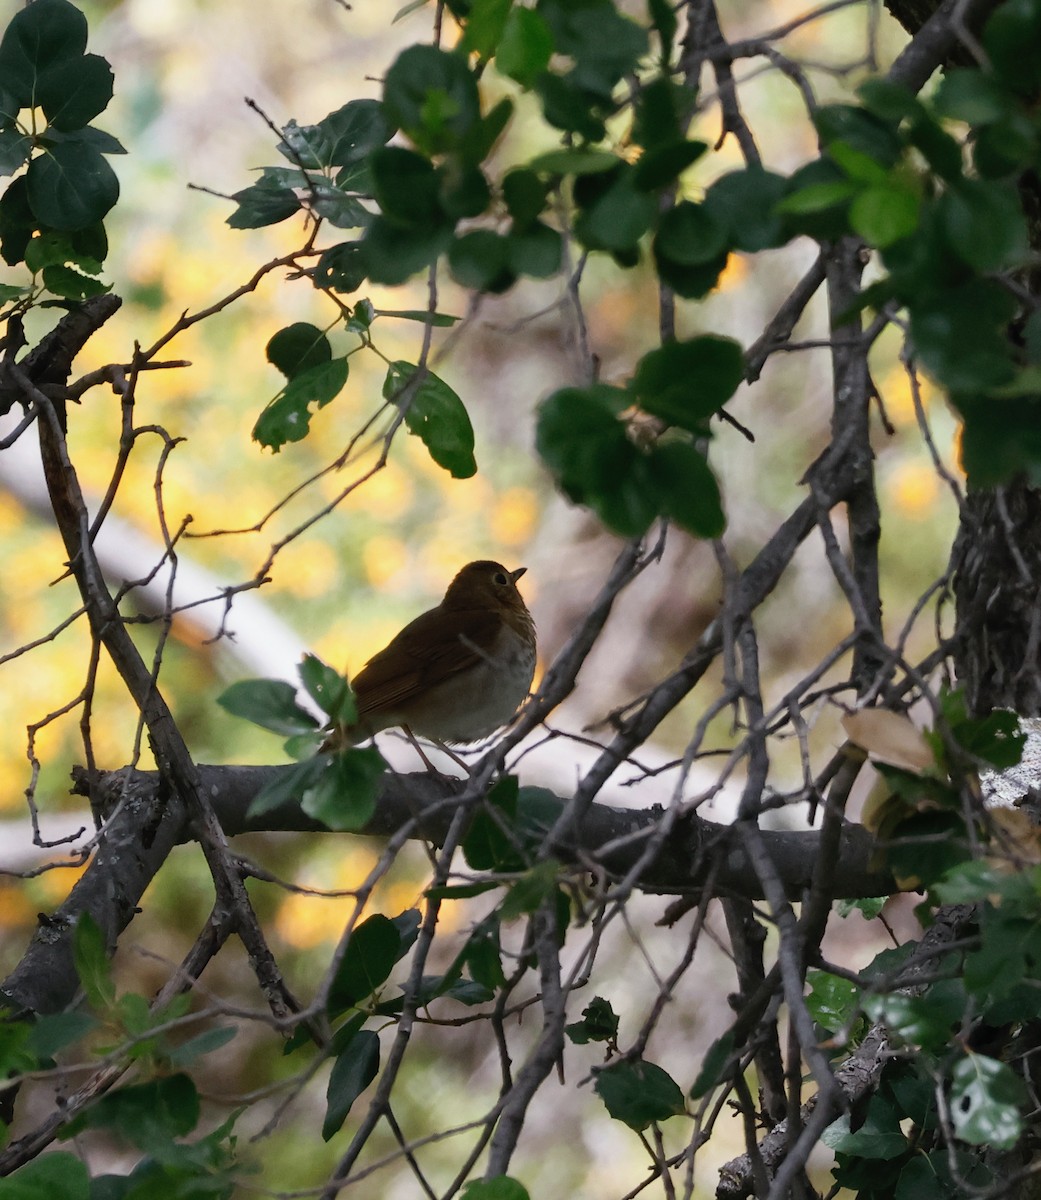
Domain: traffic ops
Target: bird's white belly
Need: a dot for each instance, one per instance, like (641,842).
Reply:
(476,702)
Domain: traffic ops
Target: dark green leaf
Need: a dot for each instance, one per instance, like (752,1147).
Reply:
(464,191)
(638,1093)
(328,689)
(537,251)
(575,162)
(525,196)
(297,348)
(686,489)
(1009,31)
(941,151)
(744,203)
(264,203)
(832,1002)
(690,282)
(686,382)
(392,254)
(269,703)
(525,47)
(479,260)
(287,418)
(604,43)
(436,415)
(351,133)
(332,204)
(664,164)
(619,215)
(859,129)
(889,101)
(371,954)
(90,956)
(354,1069)
(72,92)
(344,796)
(816,201)
(878,1138)
(971,95)
(690,234)
(483,955)
(582,441)
(340,268)
(925,1020)
(491,843)
(71,186)
(431,94)
(959,336)
(69,283)
(568,106)
(53,1033)
(659,115)
(203,1043)
(985,225)
(599,1023)
(149,1115)
(534,888)
(54,1176)
(984,1103)
(1000,438)
(39,36)
(499,1187)
(422,315)
(96,139)
(15,148)
(406,187)
(713,1065)
(485,25)
(287,784)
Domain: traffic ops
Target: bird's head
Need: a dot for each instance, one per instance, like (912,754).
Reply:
(486,584)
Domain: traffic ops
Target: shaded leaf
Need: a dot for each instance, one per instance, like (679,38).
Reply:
(639,1093)
(344,796)
(354,1069)
(436,415)
(269,703)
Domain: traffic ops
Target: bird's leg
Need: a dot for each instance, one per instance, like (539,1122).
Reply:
(440,745)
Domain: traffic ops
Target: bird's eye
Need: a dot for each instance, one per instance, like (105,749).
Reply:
(500,579)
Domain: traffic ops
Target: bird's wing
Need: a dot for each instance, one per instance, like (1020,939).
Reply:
(430,649)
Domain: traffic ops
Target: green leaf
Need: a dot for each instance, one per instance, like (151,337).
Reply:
(959,336)
(483,956)
(581,440)
(491,842)
(925,1020)
(354,1069)
(878,1138)
(536,251)
(860,130)
(15,148)
(686,382)
(54,1032)
(269,703)
(713,1065)
(352,132)
(638,1093)
(287,784)
(406,187)
(149,1115)
(662,165)
(297,348)
(431,95)
(984,223)
(203,1043)
(340,268)
(618,216)
(499,1187)
(66,282)
(984,1103)
(689,234)
(533,889)
(436,415)
(422,315)
(833,1002)
(574,162)
(817,197)
(745,203)
(328,689)
(970,95)
(599,1023)
(54,1176)
(525,47)
(39,36)
(392,254)
(479,260)
(686,489)
(288,417)
(883,215)
(73,92)
(525,196)
(332,204)
(90,956)
(344,796)
(71,186)
(1009,30)
(372,952)
(263,203)
(485,25)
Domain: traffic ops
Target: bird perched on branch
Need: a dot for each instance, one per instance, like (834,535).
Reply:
(457,672)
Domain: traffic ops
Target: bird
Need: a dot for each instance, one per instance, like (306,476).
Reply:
(455,674)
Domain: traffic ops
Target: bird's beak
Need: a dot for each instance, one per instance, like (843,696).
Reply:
(515,575)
